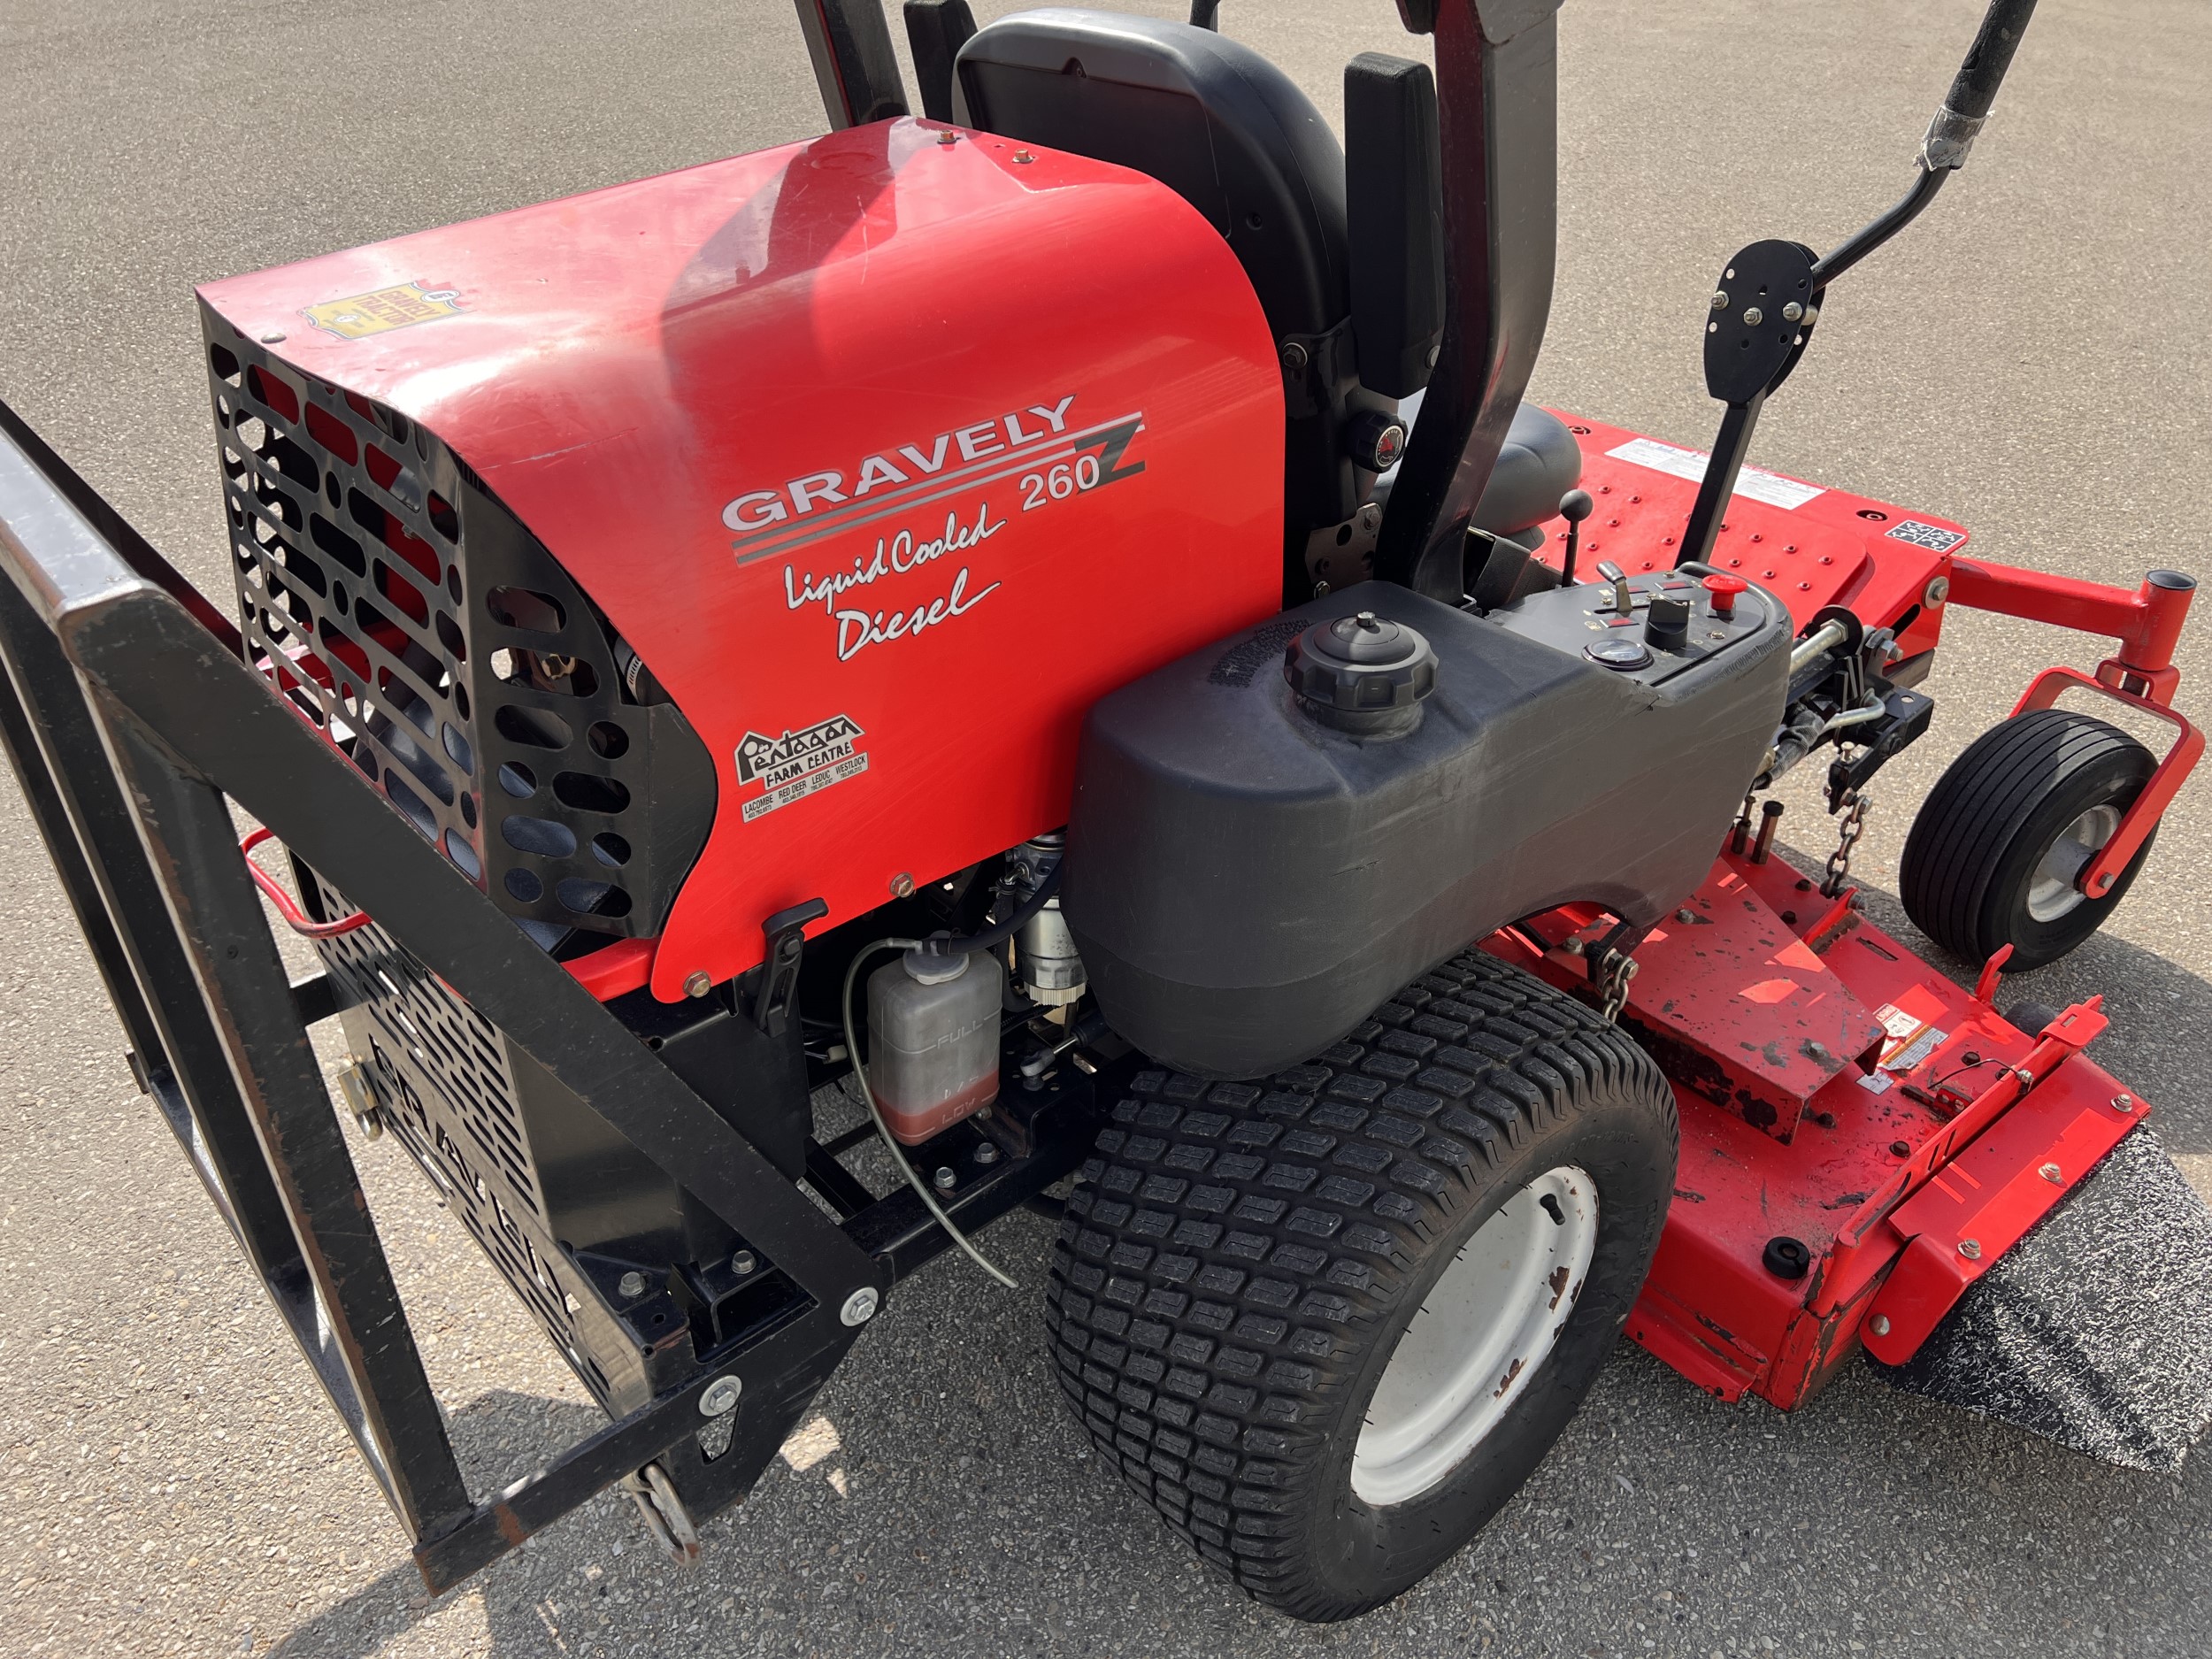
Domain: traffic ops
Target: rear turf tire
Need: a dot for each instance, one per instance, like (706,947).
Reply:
(2009,813)
(1240,1260)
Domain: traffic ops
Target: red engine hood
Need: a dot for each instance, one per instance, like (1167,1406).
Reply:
(887,454)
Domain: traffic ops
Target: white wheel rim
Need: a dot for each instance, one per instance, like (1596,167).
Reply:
(1486,1328)
(2053,892)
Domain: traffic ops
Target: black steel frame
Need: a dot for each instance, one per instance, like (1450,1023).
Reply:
(133,723)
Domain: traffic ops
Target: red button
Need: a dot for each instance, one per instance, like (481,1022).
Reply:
(1725,589)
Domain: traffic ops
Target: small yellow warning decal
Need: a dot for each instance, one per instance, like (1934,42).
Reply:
(363,314)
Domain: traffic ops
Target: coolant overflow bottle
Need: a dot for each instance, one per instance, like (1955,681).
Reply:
(933,1039)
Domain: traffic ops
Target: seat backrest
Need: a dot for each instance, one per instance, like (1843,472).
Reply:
(1210,118)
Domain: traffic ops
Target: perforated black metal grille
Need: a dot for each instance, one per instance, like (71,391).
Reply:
(442,1076)
(399,603)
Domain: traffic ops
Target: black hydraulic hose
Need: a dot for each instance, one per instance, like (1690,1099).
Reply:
(1950,135)
(991,938)
(1975,89)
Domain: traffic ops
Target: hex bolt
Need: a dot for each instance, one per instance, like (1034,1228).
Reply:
(744,1263)
(860,1307)
(2052,1173)
(1720,301)
(721,1395)
(1792,311)
(631,1285)
(902,886)
(987,1153)
(1970,1248)
(1294,355)
(2123,1102)
(947,138)
(1878,1324)
(944,1179)
(698,984)
(1936,592)
(1024,157)
(1753,316)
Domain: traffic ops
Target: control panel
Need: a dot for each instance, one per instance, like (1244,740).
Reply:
(1650,627)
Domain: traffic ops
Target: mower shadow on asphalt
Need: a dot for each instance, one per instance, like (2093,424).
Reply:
(493,1435)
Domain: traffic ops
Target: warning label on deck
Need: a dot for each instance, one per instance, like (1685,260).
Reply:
(1770,487)
(1907,1039)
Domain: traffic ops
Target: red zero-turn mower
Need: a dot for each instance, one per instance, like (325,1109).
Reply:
(1194,730)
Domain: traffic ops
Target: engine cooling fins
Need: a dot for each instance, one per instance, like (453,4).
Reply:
(2095,1330)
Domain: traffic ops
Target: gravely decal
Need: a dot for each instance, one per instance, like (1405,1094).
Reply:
(771,522)
(898,554)
(1031,452)
(902,468)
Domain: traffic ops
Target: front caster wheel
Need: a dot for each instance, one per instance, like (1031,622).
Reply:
(1327,1326)
(1996,848)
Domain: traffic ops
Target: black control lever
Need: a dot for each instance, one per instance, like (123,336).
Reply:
(1574,506)
(785,933)
(1768,295)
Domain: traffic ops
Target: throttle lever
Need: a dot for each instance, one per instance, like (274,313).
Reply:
(1609,571)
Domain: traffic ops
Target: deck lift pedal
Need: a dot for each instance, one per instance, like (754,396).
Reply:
(1345,916)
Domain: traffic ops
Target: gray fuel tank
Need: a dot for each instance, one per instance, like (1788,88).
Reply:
(1246,884)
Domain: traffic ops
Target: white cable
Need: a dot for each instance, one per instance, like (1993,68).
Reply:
(867,1095)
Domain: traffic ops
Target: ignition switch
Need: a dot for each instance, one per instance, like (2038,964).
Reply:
(1375,441)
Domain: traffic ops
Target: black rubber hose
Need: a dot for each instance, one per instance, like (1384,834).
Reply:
(992,937)
(1988,58)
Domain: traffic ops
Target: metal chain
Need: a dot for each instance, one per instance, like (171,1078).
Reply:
(1613,974)
(1854,826)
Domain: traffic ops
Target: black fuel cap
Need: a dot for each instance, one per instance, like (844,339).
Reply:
(1365,638)
(1362,672)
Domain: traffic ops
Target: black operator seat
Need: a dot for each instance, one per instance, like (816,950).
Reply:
(1233,136)
(1539,463)
(1209,118)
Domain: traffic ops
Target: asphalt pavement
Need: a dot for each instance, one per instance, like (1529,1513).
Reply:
(2029,359)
